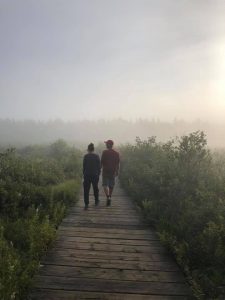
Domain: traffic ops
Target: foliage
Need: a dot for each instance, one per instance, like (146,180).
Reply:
(37,185)
(180,186)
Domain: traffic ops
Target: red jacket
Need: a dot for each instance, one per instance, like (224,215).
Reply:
(110,162)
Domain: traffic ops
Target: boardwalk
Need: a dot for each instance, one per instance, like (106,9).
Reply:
(108,253)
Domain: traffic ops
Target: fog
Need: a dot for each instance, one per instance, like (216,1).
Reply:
(80,133)
(79,60)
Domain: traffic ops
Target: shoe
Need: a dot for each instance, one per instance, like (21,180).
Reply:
(86,207)
(96,202)
(108,202)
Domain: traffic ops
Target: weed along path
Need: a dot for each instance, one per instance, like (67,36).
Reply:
(108,253)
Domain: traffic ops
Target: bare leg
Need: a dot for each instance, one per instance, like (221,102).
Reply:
(106,190)
(110,192)
(107,193)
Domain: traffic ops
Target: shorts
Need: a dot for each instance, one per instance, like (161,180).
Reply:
(108,181)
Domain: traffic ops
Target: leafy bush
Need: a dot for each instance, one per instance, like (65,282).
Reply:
(37,185)
(181,191)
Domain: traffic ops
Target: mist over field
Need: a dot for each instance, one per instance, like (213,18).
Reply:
(80,133)
(93,60)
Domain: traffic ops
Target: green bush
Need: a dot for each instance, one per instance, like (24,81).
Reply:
(181,192)
(10,267)
(37,185)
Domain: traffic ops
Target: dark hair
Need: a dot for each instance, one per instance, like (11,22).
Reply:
(91,147)
(109,146)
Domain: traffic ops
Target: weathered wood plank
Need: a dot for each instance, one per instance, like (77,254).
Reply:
(123,208)
(99,216)
(114,274)
(132,232)
(105,225)
(110,247)
(67,240)
(98,213)
(103,219)
(107,237)
(109,254)
(101,209)
(111,264)
(114,286)
(101,233)
(50,294)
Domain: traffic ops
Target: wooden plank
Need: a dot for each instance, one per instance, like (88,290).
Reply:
(135,261)
(146,232)
(105,225)
(111,264)
(107,209)
(114,274)
(51,294)
(99,213)
(108,286)
(107,247)
(118,203)
(107,238)
(103,240)
(116,194)
(108,254)
(96,213)
(102,219)
(102,209)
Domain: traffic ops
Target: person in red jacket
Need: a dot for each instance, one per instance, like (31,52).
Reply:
(110,161)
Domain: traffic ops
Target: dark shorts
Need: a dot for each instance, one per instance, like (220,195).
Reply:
(108,181)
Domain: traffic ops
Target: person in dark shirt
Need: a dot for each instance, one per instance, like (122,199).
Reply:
(91,172)
(110,161)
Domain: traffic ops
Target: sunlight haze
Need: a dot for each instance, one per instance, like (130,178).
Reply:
(104,59)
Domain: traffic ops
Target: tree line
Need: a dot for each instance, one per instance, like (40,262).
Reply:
(21,133)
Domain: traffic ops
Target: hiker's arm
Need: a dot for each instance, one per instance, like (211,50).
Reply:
(102,159)
(99,165)
(117,166)
(84,164)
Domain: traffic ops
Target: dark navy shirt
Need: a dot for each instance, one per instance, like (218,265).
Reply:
(91,165)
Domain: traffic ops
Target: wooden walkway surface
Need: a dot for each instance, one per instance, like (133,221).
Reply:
(108,253)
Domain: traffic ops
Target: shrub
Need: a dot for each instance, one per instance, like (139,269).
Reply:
(37,186)
(181,192)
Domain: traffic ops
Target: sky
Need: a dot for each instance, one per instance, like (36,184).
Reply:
(106,59)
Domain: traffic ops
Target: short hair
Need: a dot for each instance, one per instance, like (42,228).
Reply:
(91,147)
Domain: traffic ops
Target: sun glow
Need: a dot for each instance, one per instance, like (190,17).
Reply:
(219,75)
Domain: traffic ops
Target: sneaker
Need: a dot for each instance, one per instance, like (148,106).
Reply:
(86,207)
(96,202)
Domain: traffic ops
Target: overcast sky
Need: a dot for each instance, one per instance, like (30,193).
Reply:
(91,59)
